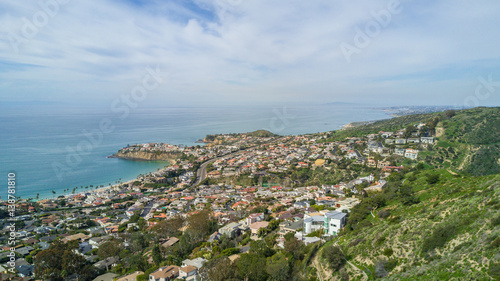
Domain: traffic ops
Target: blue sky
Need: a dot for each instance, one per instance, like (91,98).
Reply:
(235,52)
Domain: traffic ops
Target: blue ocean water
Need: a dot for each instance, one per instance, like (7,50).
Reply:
(54,149)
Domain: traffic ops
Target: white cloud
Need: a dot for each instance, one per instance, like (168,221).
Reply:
(232,51)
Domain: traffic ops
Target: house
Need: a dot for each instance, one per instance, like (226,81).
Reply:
(400,141)
(197,262)
(79,236)
(429,140)
(106,277)
(230,230)
(287,227)
(319,162)
(25,270)
(187,271)
(106,263)
(166,273)
(254,228)
(389,141)
(352,154)
(347,204)
(399,151)
(377,186)
(216,236)
(130,277)
(24,251)
(313,223)
(170,242)
(254,218)
(310,240)
(301,205)
(411,153)
(334,221)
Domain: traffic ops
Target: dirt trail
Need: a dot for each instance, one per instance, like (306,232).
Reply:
(324,273)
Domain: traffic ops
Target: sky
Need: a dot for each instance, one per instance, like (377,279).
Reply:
(239,52)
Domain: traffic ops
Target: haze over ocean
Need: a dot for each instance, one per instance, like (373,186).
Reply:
(41,145)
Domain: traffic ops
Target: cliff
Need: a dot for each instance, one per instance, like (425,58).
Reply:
(147,155)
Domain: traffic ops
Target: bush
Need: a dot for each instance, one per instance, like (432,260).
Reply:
(432,178)
(495,243)
(391,264)
(495,221)
(388,252)
(384,214)
(334,256)
(230,251)
(439,237)
(494,270)
(380,241)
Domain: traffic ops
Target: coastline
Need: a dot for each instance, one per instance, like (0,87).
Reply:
(96,190)
(103,177)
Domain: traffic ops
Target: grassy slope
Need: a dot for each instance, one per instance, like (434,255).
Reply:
(464,204)
(470,204)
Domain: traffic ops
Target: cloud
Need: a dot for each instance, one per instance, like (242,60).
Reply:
(234,51)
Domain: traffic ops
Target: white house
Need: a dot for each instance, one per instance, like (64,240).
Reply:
(429,140)
(399,151)
(334,221)
(411,153)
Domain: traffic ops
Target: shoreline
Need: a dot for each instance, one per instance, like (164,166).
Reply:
(94,191)
(199,141)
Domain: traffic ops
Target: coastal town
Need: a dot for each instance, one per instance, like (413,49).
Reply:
(251,187)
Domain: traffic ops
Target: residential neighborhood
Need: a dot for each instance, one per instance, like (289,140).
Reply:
(251,187)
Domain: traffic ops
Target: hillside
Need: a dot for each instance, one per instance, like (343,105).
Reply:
(468,141)
(436,221)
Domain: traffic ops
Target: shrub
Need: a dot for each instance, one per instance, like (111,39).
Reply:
(334,256)
(495,243)
(230,251)
(432,178)
(495,221)
(494,270)
(355,242)
(384,214)
(391,264)
(439,237)
(380,241)
(388,252)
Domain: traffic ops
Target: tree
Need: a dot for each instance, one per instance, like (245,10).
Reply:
(334,256)
(200,224)
(60,260)
(260,247)
(219,269)
(109,249)
(295,248)
(168,228)
(277,267)
(252,267)
(432,178)
(156,254)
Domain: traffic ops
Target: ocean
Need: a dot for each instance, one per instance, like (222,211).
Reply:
(56,149)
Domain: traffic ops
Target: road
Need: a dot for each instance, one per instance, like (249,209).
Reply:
(147,209)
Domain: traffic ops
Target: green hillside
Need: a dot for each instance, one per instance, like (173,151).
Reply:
(437,221)
(468,141)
